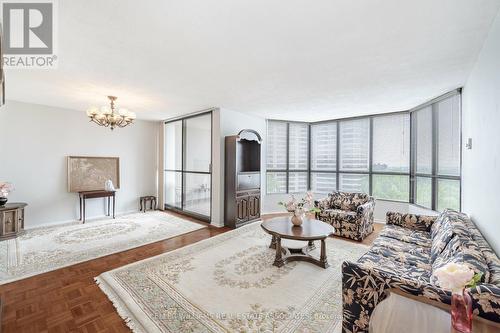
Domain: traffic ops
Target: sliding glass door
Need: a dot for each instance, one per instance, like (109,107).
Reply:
(188,160)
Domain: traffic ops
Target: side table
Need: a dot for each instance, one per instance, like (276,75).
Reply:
(144,202)
(84,195)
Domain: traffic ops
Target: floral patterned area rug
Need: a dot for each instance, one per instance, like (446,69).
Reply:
(227,283)
(45,249)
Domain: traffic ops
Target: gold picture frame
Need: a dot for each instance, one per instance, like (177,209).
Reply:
(89,173)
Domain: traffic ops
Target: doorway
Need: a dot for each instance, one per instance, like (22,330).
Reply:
(188,165)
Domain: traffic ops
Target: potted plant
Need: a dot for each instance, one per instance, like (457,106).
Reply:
(5,189)
(299,207)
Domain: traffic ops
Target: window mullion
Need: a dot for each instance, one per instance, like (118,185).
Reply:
(370,158)
(337,175)
(287,157)
(434,155)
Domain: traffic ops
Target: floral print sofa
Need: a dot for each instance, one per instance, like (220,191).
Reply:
(409,249)
(351,214)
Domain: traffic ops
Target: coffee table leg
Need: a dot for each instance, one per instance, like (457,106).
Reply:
(278,261)
(322,259)
(273,243)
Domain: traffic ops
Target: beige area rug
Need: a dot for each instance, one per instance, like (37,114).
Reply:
(45,249)
(227,283)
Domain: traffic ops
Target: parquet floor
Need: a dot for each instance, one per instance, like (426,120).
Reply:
(68,300)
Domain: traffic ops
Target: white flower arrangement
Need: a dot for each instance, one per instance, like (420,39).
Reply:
(5,189)
(300,207)
(456,277)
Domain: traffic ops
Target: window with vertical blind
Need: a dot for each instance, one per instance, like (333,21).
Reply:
(323,157)
(355,145)
(287,157)
(411,156)
(391,157)
(436,144)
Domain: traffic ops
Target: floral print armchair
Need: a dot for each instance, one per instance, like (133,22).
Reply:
(405,255)
(351,214)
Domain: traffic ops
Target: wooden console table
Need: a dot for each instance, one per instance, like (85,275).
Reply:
(84,195)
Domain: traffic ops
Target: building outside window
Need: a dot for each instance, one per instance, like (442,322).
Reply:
(411,156)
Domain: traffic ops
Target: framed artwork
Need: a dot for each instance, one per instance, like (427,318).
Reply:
(89,173)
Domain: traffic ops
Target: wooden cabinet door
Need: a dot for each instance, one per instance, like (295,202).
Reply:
(242,209)
(9,222)
(254,207)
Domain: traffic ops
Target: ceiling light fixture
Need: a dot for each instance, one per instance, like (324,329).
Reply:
(107,117)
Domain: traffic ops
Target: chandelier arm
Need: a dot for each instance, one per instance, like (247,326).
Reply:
(95,121)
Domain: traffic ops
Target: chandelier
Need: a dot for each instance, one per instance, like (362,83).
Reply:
(108,117)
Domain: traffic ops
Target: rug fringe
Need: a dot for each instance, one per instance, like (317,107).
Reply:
(120,306)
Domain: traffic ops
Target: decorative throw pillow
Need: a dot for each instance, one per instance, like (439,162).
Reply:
(441,238)
(437,224)
(462,250)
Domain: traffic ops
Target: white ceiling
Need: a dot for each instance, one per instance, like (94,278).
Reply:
(283,59)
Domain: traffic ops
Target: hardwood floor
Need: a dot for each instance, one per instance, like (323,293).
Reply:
(68,300)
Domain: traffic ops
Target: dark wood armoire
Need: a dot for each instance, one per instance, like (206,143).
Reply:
(242,178)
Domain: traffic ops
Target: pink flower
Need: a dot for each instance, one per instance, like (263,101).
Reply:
(5,189)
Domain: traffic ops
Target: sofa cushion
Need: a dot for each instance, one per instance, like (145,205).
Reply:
(441,238)
(462,250)
(453,223)
(438,223)
(396,268)
(406,253)
(421,238)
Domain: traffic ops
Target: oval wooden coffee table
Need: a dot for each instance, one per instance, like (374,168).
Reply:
(311,230)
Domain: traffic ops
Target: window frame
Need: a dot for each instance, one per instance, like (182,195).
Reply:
(411,173)
(434,176)
(337,171)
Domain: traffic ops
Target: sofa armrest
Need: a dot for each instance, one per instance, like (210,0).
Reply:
(324,203)
(364,286)
(366,208)
(486,301)
(411,221)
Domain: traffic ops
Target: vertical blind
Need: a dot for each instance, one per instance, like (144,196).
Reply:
(437,144)
(372,154)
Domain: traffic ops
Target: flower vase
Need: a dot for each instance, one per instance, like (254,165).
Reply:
(461,311)
(297,220)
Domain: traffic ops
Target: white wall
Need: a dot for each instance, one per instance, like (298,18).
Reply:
(35,141)
(228,122)
(481,122)
(231,122)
